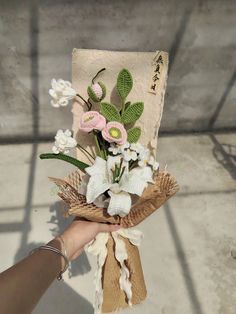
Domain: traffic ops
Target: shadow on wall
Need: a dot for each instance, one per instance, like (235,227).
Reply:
(186,271)
(222,100)
(225,154)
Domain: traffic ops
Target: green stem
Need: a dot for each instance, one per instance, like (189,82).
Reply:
(98,146)
(82,148)
(133,165)
(81,165)
(104,148)
(121,173)
(123,106)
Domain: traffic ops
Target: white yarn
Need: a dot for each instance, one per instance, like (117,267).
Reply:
(99,249)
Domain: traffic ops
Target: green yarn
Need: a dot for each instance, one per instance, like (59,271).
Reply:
(134,134)
(124,83)
(127,104)
(133,112)
(79,164)
(110,112)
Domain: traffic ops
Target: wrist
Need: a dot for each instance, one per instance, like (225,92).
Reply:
(57,243)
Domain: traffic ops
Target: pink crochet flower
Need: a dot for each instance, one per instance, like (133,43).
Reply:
(114,132)
(97,90)
(92,120)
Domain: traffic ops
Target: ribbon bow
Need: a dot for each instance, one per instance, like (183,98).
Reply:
(98,248)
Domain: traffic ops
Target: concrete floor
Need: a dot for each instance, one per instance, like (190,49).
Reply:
(186,252)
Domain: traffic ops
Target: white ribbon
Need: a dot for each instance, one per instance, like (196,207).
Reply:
(98,247)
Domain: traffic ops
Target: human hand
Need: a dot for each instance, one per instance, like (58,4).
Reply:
(80,233)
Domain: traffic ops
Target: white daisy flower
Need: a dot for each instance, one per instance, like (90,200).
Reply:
(63,142)
(61,92)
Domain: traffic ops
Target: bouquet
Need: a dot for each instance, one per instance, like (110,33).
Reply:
(121,184)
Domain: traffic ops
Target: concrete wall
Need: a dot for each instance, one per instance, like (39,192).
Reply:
(37,37)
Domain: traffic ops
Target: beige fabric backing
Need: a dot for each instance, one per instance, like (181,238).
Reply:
(86,63)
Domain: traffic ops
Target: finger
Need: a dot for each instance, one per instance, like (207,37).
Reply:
(108,228)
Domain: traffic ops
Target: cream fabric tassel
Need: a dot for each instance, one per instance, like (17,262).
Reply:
(99,249)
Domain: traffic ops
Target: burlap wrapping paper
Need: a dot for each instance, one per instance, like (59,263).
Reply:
(149,70)
(153,197)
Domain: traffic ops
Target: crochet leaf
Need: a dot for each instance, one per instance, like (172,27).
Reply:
(134,134)
(110,112)
(81,165)
(127,104)
(124,83)
(133,112)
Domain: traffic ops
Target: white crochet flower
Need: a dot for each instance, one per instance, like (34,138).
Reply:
(118,149)
(132,182)
(114,149)
(61,92)
(152,162)
(129,154)
(137,147)
(144,156)
(63,142)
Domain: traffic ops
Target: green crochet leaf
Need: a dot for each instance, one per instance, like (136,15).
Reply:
(133,112)
(134,134)
(81,165)
(127,104)
(92,95)
(124,83)
(110,112)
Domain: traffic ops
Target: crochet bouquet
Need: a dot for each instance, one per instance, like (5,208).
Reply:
(117,180)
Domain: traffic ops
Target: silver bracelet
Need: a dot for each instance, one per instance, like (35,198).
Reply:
(55,250)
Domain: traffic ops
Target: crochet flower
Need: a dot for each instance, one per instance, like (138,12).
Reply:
(129,154)
(63,142)
(97,91)
(144,156)
(114,132)
(153,163)
(101,180)
(61,92)
(92,120)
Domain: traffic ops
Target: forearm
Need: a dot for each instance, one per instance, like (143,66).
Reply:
(22,285)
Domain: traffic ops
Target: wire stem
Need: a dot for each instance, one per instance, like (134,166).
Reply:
(103,69)
(82,148)
(84,101)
